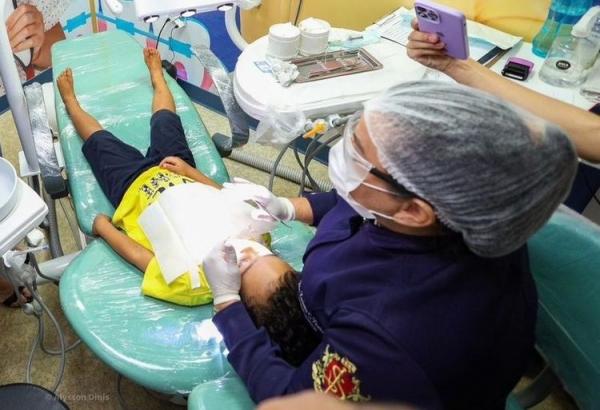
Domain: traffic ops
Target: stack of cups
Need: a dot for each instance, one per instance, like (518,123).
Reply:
(314,36)
(284,41)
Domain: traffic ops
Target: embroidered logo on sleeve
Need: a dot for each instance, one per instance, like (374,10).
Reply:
(337,376)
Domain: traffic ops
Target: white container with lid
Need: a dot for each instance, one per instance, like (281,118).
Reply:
(315,36)
(284,41)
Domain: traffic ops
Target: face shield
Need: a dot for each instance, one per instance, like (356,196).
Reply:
(351,168)
(348,169)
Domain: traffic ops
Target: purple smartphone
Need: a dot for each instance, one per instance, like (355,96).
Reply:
(448,23)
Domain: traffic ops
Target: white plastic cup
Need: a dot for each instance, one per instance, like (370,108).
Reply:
(314,36)
(284,41)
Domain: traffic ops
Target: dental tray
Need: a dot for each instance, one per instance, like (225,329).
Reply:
(335,64)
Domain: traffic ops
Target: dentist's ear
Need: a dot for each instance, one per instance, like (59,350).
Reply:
(415,213)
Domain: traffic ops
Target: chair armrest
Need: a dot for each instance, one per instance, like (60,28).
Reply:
(226,393)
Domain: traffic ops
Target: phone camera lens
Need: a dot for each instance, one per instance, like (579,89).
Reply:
(432,15)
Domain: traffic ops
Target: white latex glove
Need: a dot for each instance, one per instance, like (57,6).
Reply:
(280,208)
(247,252)
(223,274)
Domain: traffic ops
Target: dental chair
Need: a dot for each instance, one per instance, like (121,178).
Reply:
(565,261)
(163,347)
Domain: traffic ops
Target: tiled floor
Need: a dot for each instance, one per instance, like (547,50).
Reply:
(88,383)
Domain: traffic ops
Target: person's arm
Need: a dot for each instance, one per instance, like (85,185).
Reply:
(310,400)
(126,247)
(308,209)
(347,363)
(303,210)
(44,57)
(179,166)
(25,27)
(582,127)
(203,179)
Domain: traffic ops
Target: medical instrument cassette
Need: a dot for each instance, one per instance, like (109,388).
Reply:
(335,64)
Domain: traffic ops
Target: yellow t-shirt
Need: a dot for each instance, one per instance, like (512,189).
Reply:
(142,193)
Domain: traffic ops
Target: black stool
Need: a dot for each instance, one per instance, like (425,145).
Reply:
(23,396)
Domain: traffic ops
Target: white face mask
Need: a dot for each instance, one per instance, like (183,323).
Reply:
(344,181)
(347,177)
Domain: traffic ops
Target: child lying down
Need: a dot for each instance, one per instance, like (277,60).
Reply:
(134,182)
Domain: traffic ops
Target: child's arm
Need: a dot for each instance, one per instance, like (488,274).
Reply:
(129,250)
(179,166)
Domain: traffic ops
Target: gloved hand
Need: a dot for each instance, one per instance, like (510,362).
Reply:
(279,208)
(247,252)
(223,274)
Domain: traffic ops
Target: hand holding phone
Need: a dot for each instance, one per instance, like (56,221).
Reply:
(449,24)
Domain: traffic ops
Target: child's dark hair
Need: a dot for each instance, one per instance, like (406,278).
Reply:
(283,319)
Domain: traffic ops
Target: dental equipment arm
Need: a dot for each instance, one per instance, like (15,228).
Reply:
(126,247)
(150,10)
(16,96)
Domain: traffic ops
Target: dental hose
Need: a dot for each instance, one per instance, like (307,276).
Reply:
(34,263)
(32,287)
(311,153)
(267,165)
(53,233)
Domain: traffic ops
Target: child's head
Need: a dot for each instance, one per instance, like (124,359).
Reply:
(270,293)
(428,155)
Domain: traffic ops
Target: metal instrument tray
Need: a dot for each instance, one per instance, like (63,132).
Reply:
(335,64)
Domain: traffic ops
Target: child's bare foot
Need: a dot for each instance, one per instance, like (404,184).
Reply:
(65,86)
(154,62)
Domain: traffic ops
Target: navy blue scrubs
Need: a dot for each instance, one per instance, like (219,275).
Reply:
(417,320)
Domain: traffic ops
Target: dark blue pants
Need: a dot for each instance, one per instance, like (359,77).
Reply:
(116,164)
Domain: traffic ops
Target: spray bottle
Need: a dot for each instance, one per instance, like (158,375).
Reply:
(562,15)
(587,30)
(572,55)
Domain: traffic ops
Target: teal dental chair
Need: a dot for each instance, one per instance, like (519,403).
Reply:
(565,261)
(161,346)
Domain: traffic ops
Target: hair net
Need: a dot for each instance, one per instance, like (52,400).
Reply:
(492,172)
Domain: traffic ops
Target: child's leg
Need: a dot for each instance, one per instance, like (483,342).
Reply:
(167,137)
(84,123)
(163,99)
(114,163)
